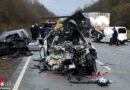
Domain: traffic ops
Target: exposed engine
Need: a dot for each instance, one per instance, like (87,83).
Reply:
(69,53)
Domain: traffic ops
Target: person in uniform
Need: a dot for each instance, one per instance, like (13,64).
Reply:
(42,31)
(33,32)
(36,30)
(114,37)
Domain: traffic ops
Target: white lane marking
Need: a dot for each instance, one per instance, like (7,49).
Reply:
(17,83)
(103,64)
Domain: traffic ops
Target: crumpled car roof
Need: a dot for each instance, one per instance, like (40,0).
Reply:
(21,32)
(77,18)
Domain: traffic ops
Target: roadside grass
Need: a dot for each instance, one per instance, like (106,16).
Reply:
(128,33)
(7,68)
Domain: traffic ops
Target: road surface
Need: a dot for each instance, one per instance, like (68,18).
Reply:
(116,58)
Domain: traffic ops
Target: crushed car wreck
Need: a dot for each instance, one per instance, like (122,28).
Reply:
(69,53)
(13,41)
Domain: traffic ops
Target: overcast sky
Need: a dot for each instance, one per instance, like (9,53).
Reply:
(65,7)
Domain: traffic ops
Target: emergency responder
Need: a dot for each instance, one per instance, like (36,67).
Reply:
(33,32)
(60,32)
(37,30)
(114,37)
(42,32)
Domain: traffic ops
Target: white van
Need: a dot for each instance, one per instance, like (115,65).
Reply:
(108,32)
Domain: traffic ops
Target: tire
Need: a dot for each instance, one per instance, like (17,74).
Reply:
(123,42)
(90,64)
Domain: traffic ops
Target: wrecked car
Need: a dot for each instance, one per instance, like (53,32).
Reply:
(69,53)
(13,40)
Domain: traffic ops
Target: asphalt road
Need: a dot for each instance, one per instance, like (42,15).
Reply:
(116,58)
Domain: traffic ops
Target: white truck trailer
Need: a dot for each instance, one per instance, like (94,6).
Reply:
(98,20)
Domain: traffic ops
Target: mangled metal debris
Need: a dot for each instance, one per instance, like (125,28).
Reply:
(69,53)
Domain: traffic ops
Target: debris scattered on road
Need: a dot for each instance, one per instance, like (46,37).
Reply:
(100,81)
